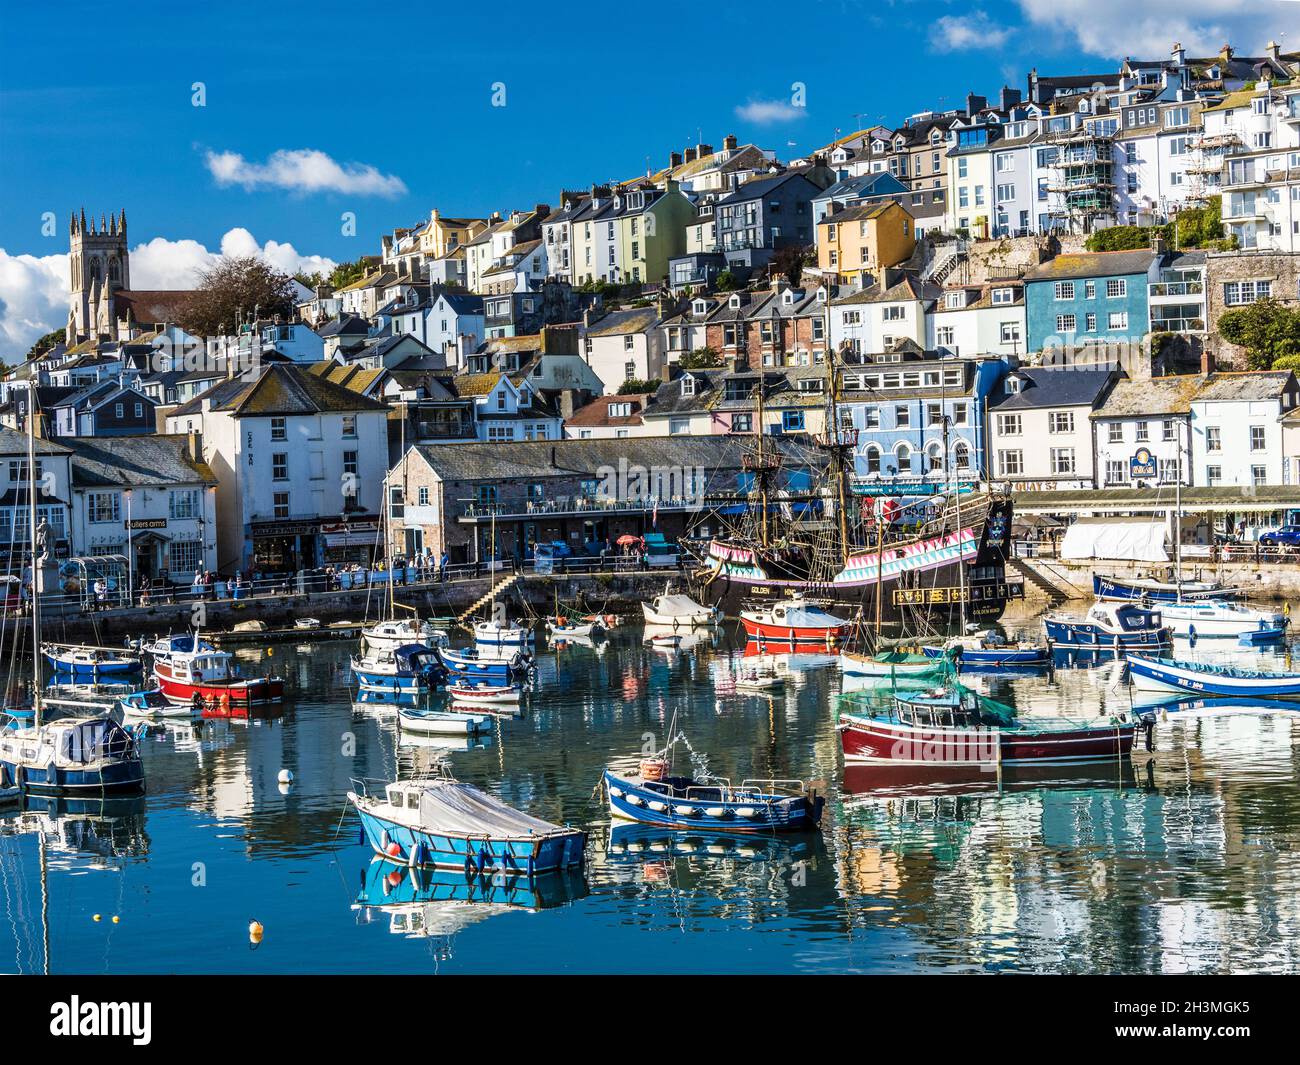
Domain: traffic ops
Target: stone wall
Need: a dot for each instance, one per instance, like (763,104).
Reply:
(1279,268)
(1010,257)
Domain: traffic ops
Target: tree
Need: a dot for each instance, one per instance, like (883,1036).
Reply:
(1192,227)
(46,342)
(1121,238)
(345,273)
(235,288)
(700,359)
(790,262)
(634,387)
(1266,329)
(726,281)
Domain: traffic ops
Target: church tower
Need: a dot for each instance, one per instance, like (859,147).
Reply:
(100,266)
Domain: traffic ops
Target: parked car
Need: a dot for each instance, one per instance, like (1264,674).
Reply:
(1285,535)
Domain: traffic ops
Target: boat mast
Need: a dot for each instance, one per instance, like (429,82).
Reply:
(760,468)
(955,492)
(35,594)
(1178,523)
(841,467)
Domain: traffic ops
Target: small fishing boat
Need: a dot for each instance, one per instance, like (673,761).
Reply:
(1117,627)
(398,632)
(891,664)
(794,621)
(653,796)
(162,647)
(477,663)
(410,668)
(441,722)
(502,634)
(493,694)
(1209,618)
(211,677)
(1125,589)
(85,661)
(986,650)
(679,612)
(604,621)
(562,628)
(954,726)
(152,703)
(79,755)
(307,623)
(759,681)
(1202,678)
(442,822)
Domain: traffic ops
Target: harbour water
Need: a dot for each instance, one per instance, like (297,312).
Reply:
(1185,860)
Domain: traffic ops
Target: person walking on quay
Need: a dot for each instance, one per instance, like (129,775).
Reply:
(442,566)
(101,593)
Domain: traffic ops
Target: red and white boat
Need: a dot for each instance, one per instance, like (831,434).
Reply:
(484,693)
(949,728)
(795,621)
(186,677)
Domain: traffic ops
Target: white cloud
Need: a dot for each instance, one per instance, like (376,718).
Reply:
(34,289)
(768,112)
(1119,28)
(957,33)
(302,170)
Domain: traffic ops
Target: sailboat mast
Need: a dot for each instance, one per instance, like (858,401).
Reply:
(35,592)
(1178,524)
(841,467)
(760,468)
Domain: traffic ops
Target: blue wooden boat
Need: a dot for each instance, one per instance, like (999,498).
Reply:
(653,797)
(474,664)
(1203,678)
(442,822)
(989,651)
(409,669)
(78,661)
(1109,627)
(1127,589)
(80,755)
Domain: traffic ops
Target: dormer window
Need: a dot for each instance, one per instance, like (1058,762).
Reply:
(699,307)
(734,302)
(787,297)
(955,300)
(688,385)
(1004,295)
(1013,384)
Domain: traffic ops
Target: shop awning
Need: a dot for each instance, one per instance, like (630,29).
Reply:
(1132,539)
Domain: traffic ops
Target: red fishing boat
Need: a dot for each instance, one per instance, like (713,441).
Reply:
(952,727)
(795,621)
(212,678)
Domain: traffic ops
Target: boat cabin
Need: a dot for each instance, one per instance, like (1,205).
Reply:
(205,667)
(1122,617)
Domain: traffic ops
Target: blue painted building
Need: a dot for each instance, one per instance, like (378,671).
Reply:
(900,401)
(1089,298)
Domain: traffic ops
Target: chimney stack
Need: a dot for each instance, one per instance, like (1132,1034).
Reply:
(1008,98)
(729,142)
(674,160)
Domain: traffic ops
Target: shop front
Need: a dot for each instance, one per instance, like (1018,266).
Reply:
(284,546)
(345,542)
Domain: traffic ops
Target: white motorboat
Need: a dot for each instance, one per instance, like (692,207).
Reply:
(502,634)
(442,722)
(398,632)
(1212,618)
(678,612)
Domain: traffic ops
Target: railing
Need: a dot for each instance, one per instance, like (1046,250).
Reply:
(1176,288)
(1178,325)
(579,505)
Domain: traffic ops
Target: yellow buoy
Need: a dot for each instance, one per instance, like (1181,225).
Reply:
(255,931)
(95,918)
(117,919)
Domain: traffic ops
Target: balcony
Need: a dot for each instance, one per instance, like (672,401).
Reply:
(1178,325)
(1163,289)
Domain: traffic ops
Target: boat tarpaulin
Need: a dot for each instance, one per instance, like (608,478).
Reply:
(1132,539)
(456,809)
(677,606)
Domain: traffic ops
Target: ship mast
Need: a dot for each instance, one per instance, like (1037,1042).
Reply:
(36,581)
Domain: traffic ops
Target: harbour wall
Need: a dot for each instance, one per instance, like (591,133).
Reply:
(1054,579)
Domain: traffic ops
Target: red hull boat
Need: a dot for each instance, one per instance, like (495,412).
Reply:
(210,676)
(795,621)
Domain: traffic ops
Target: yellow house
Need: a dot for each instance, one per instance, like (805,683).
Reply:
(444,235)
(867,239)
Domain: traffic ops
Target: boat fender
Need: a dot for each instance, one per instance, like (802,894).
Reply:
(52,775)
(1150,729)
(1191,632)
(417,855)
(484,859)
(470,869)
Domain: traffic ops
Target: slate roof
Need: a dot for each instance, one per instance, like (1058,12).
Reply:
(130,461)
(1156,395)
(1245,386)
(619,323)
(13,442)
(1060,386)
(1093,264)
(281,388)
(596,413)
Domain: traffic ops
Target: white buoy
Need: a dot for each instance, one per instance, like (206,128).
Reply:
(286,776)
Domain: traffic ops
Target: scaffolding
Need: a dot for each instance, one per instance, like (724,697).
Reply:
(1205,168)
(1083,177)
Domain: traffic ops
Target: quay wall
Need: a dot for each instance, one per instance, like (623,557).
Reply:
(1265,581)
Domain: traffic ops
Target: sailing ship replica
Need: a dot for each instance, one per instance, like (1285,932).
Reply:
(895,565)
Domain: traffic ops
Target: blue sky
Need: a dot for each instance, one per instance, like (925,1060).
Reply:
(314,110)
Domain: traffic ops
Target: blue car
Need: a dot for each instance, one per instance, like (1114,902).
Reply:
(1288,535)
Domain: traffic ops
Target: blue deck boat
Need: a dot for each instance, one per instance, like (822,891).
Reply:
(80,755)
(1127,589)
(1109,627)
(474,664)
(441,822)
(1202,678)
(409,669)
(989,651)
(77,661)
(653,797)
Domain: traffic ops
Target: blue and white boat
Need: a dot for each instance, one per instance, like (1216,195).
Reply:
(1109,627)
(79,755)
(411,668)
(84,661)
(1126,589)
(478,664)
(988,650)
(442,722)
(442,822)
(1197,619)
(654,797)
(502,634)
(630,842)
(1202,678)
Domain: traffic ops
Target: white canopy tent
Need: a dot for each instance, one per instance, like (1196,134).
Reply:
(1135,539)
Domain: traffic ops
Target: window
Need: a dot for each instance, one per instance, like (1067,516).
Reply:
(960,414)
(103,507)
(1115,433)
(902,417)
(792,421)
(1236,293)
(1011,463)
(349,426)
(1066,323)
(742,423)
(933,414)
(1212,441)
(944,335)
(1116,287)
(118,410)
(688,385)
(279,429)
(280,466)
(1062,460)
(1005,162)
(1090,290)
(183,503)
(1142,432)
(1010,332)
(1060,421)
(1064,290)
(894,313)
(1177,116)
(871,417)
(186,556)
(1117,320)
(1213,475)
(1168,471)
(1259,475)
(1090,323)
(1115,473)
(350,462)
(422,495)
(873,459)
(1256,438)
(1006,192)
(1004,295)
(280,505)
(1169,429)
